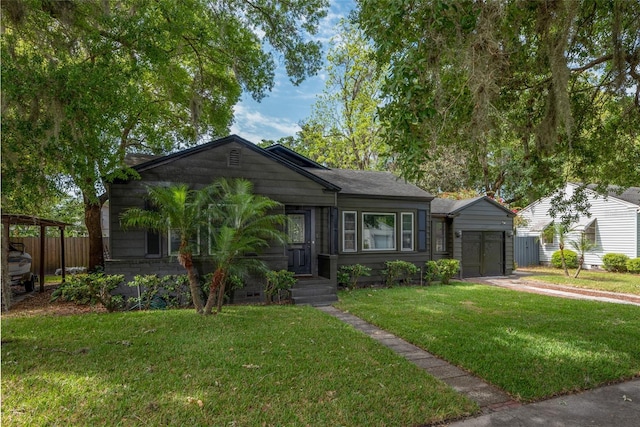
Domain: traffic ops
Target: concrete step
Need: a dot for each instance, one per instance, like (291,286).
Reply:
(316,301)
(309,291)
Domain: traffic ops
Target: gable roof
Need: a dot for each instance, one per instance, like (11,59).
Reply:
(450,207)
(159,161)
(351,182)
(371,184)
(630,195)
(295,158)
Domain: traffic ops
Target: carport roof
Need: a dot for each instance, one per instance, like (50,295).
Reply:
(20,219)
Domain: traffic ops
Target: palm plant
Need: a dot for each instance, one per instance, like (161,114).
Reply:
(240,224)
(582,246)
(562,231)
(180,209)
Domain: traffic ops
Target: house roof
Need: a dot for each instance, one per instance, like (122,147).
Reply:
(135,159)
(452,207)
(631,194)
(226,140)
(351,182)
(371,183)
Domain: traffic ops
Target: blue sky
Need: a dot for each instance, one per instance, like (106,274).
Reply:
(278,114)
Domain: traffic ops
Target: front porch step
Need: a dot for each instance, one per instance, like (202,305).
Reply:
(314,291)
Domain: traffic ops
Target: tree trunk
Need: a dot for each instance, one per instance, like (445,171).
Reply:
(221,296)
(92,212)
(564,261)
(217,282)
(186,260)
(580,262)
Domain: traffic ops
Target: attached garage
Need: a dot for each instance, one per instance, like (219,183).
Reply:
(478,232)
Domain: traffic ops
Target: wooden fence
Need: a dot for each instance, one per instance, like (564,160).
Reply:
(76,252)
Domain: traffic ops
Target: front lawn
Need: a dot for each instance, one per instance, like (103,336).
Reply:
(587,279)
(249,366)
(532,346)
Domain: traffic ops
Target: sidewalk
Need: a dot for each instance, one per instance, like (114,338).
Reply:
(608,406)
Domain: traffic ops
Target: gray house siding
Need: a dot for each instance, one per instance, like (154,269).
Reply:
(375,259)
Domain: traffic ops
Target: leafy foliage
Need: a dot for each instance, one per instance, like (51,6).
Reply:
(107,78)
(91,289)
(241,222)
(348,275)
(615,262)
(633,265)
(399,271)
(277,281)
(169,291)
(447,269)
(518,97)
(570,258)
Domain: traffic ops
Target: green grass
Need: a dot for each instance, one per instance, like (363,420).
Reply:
(587,279)
(249,366)
(530,345)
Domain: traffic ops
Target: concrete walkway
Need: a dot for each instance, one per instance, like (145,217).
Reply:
(489,398)
(519,282)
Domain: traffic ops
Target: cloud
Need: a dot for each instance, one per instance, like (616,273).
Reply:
(256,126)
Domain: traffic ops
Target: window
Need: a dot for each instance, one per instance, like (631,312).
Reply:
(378,231)
(407,231)
(153,243)
(349,234)
(590,233)
(548,234)
(174,242)
(440,236)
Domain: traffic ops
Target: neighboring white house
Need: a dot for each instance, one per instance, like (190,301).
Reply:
(614,224)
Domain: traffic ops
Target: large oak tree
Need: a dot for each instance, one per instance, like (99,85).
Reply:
(86,81)
(530,93)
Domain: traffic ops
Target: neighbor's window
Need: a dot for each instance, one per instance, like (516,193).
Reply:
(590,232)
(440,236)
(548,234)
(407,231)
(174,242)
(349,233)
(378,231)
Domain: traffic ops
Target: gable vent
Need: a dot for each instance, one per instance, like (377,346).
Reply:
(234,157)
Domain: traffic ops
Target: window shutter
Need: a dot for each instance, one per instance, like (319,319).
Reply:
(422,230)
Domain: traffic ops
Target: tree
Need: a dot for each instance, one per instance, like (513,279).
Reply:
(530,93)
(582,246)
(240,224)
(181,210)
(107,78)
(343,130)
(562,231)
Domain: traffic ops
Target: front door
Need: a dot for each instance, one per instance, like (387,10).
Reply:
(299,245)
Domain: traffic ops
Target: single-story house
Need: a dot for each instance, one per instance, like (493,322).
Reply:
(341,217)
(614,224)
(477,231)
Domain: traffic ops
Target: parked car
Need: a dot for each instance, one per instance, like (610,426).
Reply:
(20,266)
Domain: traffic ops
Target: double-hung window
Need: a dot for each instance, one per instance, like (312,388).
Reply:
(349,231)
(407,231)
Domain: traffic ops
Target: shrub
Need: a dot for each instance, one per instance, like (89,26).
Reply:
(161,292)
(90,289)
(447,269)
(277,281)
(633,265)
(615,262)
(399,271)
(431,272)
(570,257)
(348,275)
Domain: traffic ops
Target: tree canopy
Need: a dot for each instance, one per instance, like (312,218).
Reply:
(85,82)
(529,93)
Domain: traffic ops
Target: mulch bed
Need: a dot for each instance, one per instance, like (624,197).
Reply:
(38,303)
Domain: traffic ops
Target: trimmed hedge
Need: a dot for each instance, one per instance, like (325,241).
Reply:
(570,258)
(633,265)
(615,262)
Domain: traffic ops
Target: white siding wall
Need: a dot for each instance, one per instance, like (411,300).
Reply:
(617,227)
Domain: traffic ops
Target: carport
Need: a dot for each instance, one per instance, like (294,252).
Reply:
(15,219)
